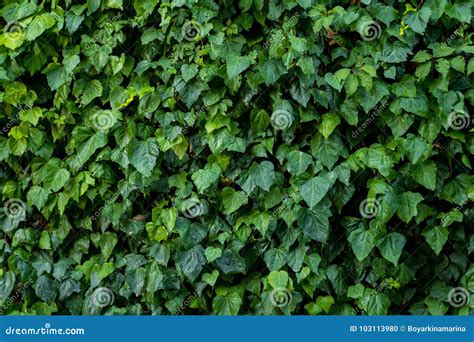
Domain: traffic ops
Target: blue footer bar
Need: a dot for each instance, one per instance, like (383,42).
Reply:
(238,329)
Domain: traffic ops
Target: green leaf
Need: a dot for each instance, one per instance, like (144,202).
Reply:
(378,304)
(271,70)
(362,242)
(206,177)
(314,190)
(143,154)
(425,174)
(418,20)
(227,304)
(57,180)
(107,243)
(391,246)
(275,258)
(232,200)
(278,279)
(315,222)
(212,253)
(88,148)
(31,115)
(192,261)
(329,123)
(93,90)
(237,64)
(45,289)
(37,196)
(408,205)
(298,162)
(436,237)
(262,174)
(7,283)
(38,25)
(231,263)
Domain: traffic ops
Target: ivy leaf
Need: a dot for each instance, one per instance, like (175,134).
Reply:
(212,253)
(262,174)
(329,123)
(45,289)
(31,115)
(205,177)
(237,64)
(298,162)
(37,196)
(362,242)
(418,20)
(93,90)
(142,155)
(232,200)
(275,258)
(38,25)
(378,304)
(391,246)
(88,148)
(314,190)
(271,70)
(227,304)
(408,205)
(436,237)
(192,261)
(315,222)
(425,174)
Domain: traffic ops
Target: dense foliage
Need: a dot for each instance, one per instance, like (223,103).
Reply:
(236,157)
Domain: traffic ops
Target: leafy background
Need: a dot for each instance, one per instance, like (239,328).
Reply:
(236,157)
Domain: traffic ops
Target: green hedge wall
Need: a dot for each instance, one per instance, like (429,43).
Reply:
(236,157)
